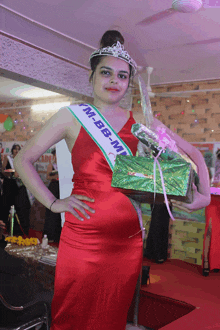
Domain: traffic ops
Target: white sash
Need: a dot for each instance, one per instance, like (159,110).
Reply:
(11,161)
(107,140)
(100,131)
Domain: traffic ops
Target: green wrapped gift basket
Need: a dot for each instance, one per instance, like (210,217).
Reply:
(136,176)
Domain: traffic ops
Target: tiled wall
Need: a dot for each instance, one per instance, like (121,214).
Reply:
(26,121)
(179,113)
(185,239)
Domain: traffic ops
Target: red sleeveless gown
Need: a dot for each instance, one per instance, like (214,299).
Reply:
(212,213)
(100,258)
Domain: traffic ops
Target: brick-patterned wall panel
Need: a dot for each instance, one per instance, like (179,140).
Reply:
(195,118)
(28,122)
(186,241)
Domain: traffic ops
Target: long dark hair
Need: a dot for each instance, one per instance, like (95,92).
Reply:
(109,38)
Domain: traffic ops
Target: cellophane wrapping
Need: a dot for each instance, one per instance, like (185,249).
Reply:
(156,142)
(150,139)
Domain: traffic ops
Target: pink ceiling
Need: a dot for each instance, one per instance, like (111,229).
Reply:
(181,47)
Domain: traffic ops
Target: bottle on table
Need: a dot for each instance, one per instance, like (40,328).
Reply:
(44,243)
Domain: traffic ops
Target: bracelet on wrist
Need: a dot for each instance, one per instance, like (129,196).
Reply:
(53,203)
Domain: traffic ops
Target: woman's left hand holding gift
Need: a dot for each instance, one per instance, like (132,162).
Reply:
(199,201)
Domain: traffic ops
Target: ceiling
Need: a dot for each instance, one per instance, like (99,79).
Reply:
(14,90)
(181,47)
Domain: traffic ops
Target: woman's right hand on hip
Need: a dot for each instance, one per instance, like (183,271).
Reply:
(71,203)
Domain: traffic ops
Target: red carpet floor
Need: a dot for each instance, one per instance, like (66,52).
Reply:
(184,282)
(156,311)
(178,296)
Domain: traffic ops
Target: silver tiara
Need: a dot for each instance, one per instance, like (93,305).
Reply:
(117,50)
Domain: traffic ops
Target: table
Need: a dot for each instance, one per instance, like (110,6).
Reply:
(41,263)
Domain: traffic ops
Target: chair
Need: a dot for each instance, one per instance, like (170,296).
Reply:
(28,316)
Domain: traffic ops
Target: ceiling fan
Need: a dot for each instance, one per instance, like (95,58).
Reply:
(183,94)
(181,6)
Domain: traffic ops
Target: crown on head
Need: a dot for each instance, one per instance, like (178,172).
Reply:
(116,50)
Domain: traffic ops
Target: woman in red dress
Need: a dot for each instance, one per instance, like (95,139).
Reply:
(211,244)
(100,251)
(211,251)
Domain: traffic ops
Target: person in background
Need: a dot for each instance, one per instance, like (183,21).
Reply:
(211,243)
(157,239)
(8,161)
(52,225)
(8,191)
(216,179)
(3,243)
(21,202)
(1,150)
